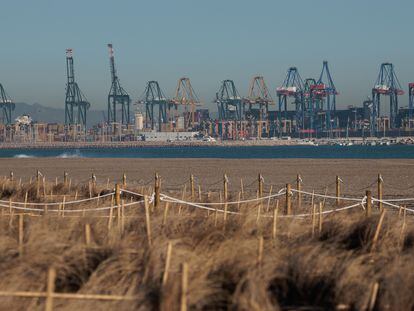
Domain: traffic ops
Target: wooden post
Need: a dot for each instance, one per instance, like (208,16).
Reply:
(241,188)
(164,219)
(21,233)
(377,230)
(338,190)
(184,287)
(65,178)
(50,288)
(122,217)
(192,187)
(167,264)
(288,203)
(313,219)
(275,211)
(37,183)
(225,187)
(320,218)
(368,207)
(199,193)
(260,181)
(87,234)
(157,191)
(117,195)
(124,182)
(25,199)
(260,251)
(225,216)
(373,297)
(299,189)
(111,211)
(11,175)
(147,220)
(380,181)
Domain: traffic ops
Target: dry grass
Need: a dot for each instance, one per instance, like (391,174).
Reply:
(335,269)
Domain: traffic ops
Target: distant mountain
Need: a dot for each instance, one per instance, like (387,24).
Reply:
(40,113)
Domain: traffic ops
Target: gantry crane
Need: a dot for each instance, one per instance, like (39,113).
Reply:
(6,106)
(325,92)
(152,98)
(292,87)
(229,103)
(74,97)
(258,100)
(117,96)
(186,96)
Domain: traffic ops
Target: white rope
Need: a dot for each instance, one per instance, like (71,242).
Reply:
(58,203)
(398,200)
(236,202)
(70,210)
(326,196)
(174,200)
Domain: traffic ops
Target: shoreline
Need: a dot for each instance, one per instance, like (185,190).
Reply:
(226,143)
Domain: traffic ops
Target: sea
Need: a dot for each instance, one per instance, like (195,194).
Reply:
(223,152)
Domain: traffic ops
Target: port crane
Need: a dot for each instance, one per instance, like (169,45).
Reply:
(187,97)
(292,87)
(117,96)
(74,97)
(387,84)
(6,105)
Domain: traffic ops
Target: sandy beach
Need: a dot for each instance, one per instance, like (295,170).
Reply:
(316,173)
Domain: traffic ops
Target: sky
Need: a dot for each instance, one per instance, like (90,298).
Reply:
(207,41)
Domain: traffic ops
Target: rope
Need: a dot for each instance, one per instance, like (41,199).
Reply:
(58,203)
(175,200)
(237,202)
(326,196)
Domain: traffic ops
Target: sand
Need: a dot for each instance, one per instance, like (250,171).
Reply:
(316,173)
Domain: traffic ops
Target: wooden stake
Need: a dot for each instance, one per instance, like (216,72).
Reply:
(275,212)
(147,220)
(225,187)
(260,186)
(377,231)
(122,217)
(199,193)
(215,217)
(87,234)
(338,189)
(313,219)
(164,219)
(299,189)
(21,233)
(184,287)
(124,180)
(368,208)
(241,187)
(192,187)
(50,288)
(63,206)
(288,203)
(157,191)
(260,251)
(111,211)
(25,199)
(167,264)
(373,296)
(379,186)
(225,216)
(65,178)
(320,218)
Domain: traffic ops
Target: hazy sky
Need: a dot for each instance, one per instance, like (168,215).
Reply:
(208,41)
